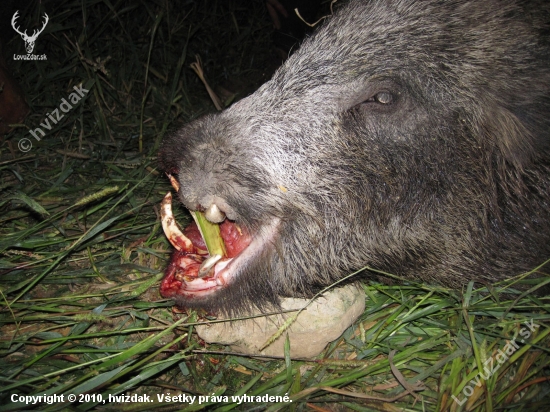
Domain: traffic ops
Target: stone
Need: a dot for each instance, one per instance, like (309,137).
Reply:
(324,320)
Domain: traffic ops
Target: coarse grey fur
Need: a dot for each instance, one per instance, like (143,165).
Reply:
(410,136)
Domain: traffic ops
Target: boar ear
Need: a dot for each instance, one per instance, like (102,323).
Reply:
(508,133)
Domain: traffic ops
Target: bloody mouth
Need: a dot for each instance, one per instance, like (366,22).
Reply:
(192,272)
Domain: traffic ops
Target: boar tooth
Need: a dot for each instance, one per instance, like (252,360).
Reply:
(171,229)
(208,264)
(173,182)
(214,214)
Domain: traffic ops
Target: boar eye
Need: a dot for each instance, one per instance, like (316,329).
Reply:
(383,101)
(382,98)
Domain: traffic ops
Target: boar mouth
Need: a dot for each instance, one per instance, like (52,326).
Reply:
(192,272)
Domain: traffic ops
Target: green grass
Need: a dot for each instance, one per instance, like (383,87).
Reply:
(82,250)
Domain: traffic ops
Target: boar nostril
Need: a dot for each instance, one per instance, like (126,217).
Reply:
(214,214)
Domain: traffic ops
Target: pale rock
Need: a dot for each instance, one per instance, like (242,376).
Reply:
(322,322)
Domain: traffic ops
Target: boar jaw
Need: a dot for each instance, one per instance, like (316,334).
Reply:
(182,277)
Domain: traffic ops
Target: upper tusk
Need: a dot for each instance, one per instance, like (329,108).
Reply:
(214,214)
(173,182)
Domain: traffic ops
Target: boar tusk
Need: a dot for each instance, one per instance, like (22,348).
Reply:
(170,227)
(173,182)
(207,265)
(214,214)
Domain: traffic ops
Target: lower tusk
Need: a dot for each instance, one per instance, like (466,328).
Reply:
(207,265)
(170,227)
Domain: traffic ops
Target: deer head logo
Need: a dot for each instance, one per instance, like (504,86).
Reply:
(29,40)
